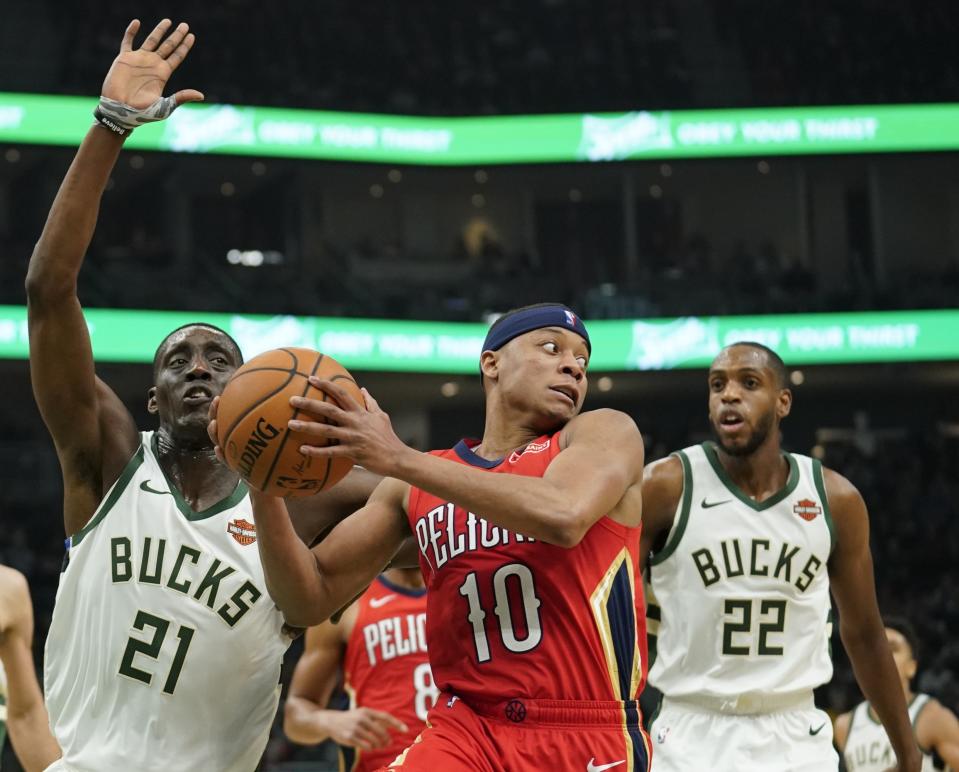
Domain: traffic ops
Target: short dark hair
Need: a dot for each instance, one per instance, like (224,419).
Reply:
(904,627)
(773,359)
(205,325)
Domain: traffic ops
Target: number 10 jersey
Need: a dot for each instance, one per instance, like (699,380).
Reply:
(510,617)
(164,651)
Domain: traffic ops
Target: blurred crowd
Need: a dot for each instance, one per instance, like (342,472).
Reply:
(515,56)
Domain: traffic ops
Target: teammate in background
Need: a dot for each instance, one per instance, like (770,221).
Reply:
(528,544)
(164,652)
(861,738)
(746,543)
(379,646)
(21,704)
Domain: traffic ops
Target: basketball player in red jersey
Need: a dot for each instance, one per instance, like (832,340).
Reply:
(528,542)
(380,647)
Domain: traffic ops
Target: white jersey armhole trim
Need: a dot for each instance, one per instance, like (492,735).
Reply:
(681,517)
(112,495)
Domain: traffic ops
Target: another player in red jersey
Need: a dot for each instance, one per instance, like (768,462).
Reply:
(380,647)
(528,541)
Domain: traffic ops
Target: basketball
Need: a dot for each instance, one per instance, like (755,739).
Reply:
(252,422)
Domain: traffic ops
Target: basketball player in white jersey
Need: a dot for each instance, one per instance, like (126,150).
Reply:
(861,738)
(164,651)
(22,713)
(745,542)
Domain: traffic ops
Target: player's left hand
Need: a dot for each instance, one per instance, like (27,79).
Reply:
(363,434)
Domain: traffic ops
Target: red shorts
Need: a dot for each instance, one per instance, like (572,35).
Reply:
(528,736)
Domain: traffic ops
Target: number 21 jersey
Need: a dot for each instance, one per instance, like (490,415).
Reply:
(164,651)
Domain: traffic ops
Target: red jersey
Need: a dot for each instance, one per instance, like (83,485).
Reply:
(511,617)
(386,666)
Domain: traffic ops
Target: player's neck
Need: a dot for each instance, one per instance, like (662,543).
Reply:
(908,694)
(201,479)
(505,433)
(759,475)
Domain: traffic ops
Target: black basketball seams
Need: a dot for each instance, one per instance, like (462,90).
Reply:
(296,412)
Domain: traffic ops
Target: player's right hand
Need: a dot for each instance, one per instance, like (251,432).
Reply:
(364,728)
(138,76)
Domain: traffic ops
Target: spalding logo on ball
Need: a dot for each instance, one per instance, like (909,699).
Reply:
(252,421)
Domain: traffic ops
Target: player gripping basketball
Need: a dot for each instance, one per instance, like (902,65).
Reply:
(746,543)
(528,541)
(164,651)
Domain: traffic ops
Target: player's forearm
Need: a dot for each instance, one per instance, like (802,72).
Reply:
(527,505)
(306,723)
(290,569)
(59,253)
(32,742)
(878,678)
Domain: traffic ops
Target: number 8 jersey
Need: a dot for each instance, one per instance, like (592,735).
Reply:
(511,617)
(740,591)
(164,651)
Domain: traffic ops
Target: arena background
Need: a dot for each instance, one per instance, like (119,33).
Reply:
(690,229)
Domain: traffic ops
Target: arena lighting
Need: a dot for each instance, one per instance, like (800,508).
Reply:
(478,141)
(253,258)
(454,347)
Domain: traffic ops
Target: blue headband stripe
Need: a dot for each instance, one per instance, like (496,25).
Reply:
(534,319)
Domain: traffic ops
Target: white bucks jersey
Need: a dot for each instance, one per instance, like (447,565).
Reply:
(867,745)
(741,587)
(164,651)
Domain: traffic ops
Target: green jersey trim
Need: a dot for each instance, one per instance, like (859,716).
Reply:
(670,547)
(118,487)
(185,509)
(820,482)
(792,480)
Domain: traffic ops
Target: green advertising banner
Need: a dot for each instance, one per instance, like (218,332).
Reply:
(267,131)
(448,347)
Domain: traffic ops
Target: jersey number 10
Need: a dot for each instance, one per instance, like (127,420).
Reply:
(531,604)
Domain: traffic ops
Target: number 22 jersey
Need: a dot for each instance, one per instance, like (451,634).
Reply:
(511,617)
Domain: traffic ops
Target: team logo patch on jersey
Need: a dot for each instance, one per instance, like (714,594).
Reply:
(242,531)
(533,447)
(807,509)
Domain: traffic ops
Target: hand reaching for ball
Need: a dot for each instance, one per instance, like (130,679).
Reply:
(362,434)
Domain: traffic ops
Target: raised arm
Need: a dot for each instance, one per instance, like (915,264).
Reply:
(307,720)
(93,433)
(860,625)
(310,585)
(27,719)
(598,473)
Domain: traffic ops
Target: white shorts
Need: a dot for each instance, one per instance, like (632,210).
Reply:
(687,738)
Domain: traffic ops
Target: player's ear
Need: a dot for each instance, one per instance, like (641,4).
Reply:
(784,403)
(489,364)
(152,408)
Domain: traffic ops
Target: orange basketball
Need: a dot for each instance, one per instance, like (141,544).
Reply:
(252,422)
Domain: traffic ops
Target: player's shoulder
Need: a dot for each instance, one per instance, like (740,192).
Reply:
(934,712)
(604,421)
(839,489)
(12,582)
(664,475)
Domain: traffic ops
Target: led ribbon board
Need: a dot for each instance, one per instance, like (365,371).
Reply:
(266,131)
(453,347)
